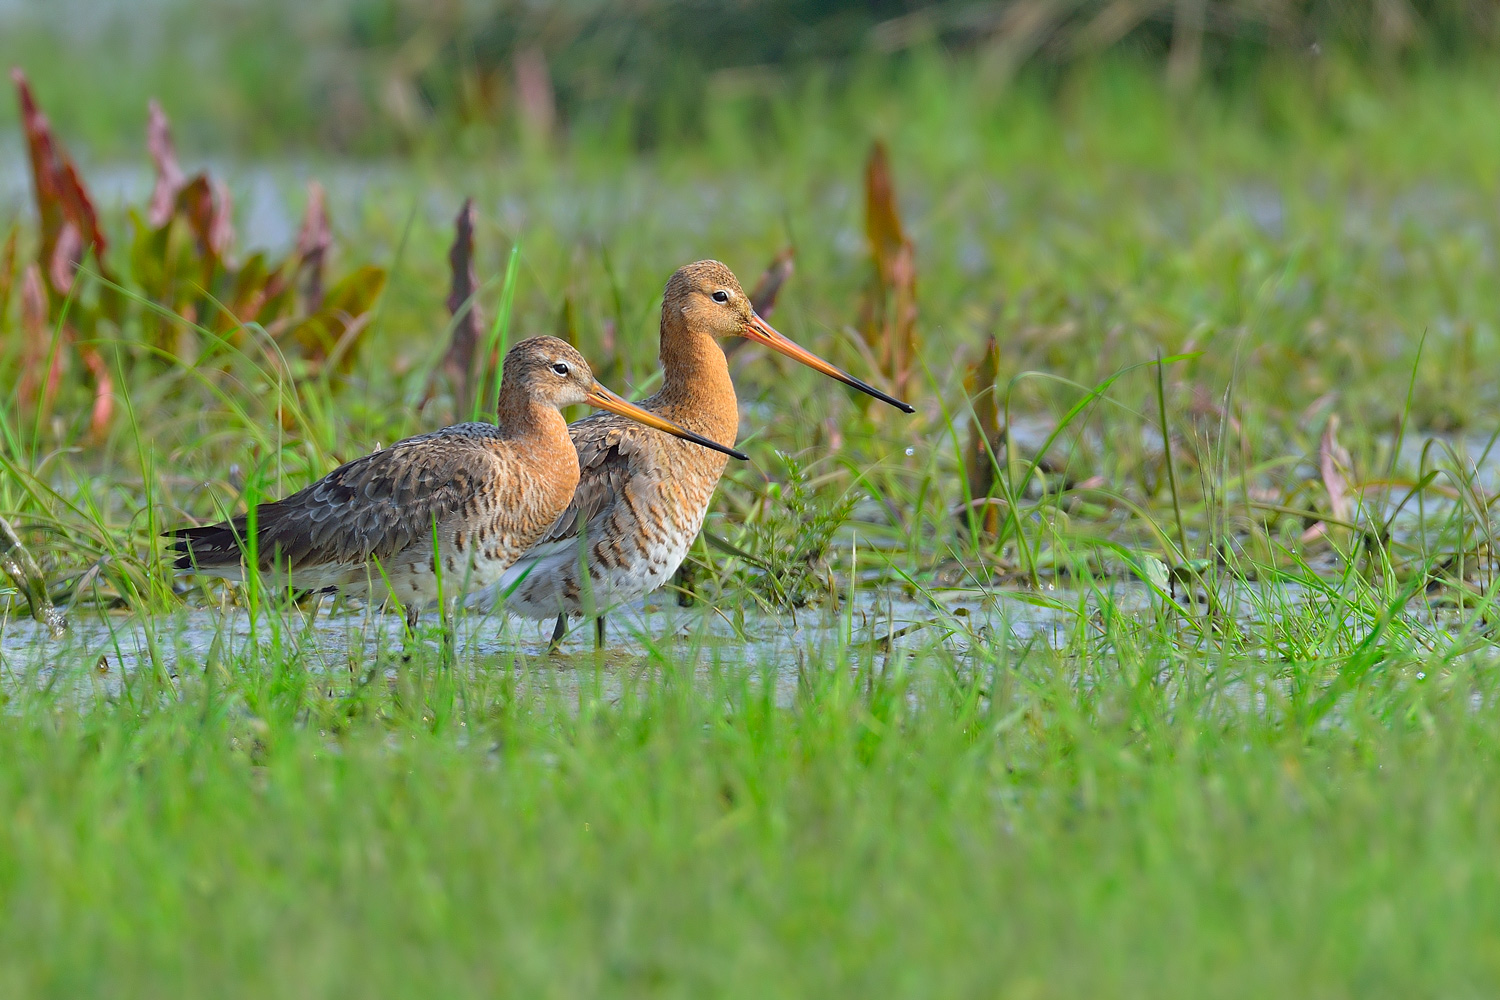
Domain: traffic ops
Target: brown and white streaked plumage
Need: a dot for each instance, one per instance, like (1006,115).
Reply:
(483,492)
(642,496)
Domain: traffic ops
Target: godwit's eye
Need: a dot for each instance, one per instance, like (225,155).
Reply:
(561,368)
(721,296)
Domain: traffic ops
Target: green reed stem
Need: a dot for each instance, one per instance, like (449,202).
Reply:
(500,330)
(1166,446)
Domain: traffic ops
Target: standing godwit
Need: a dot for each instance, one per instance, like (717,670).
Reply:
(479,494)
(641,496)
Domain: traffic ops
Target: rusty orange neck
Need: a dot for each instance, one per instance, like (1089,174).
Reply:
(521,417)
(696,390)
(544,453)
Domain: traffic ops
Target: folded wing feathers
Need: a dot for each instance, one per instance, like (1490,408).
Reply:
(373,507)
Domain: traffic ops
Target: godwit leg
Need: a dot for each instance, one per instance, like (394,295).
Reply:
(409,642)
(599,632)
(558,631)
(449,612)
(684,582)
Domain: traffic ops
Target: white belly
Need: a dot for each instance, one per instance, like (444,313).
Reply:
(547,580)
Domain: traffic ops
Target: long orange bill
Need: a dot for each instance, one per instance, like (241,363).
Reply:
(606,400)
(763,333)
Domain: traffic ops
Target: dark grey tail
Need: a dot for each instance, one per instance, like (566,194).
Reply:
(209,545)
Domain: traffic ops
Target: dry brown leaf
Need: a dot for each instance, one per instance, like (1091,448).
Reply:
(984,433)
(888,312)
(763,296)
(313,240)
(458,362)
(1336,466)
(882,216)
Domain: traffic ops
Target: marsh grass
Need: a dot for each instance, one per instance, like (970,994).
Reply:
(1252,752)
(1123,814)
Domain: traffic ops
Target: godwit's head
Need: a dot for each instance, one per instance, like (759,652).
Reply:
(550,372)
(706,298)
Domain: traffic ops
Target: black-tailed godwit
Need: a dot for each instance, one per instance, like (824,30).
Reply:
(477,494)
(642,496)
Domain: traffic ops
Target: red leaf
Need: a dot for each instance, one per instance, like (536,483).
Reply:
(60,196)
(169,176)
(66,253)
(39,149)
(205,204)
(37,339)
(221,229)
(104,392)
(313,240)
(79,207)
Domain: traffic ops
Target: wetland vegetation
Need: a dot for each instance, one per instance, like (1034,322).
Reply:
(1153,655)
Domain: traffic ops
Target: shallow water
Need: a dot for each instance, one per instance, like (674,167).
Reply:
(100,651)
(346,643)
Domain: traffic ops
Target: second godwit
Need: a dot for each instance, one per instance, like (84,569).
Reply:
(642,496)
(449,510)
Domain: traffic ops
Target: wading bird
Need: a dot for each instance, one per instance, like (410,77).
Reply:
(449,510)
(642,496)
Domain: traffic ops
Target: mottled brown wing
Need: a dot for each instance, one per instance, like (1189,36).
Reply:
(371,508)
(610,452)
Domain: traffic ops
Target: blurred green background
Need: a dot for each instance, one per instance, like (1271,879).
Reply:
(1092,180)
(377,76)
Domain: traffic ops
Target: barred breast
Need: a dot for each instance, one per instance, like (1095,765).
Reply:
(640,502)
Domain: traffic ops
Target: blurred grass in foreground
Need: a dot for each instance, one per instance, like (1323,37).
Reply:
(1121,819)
